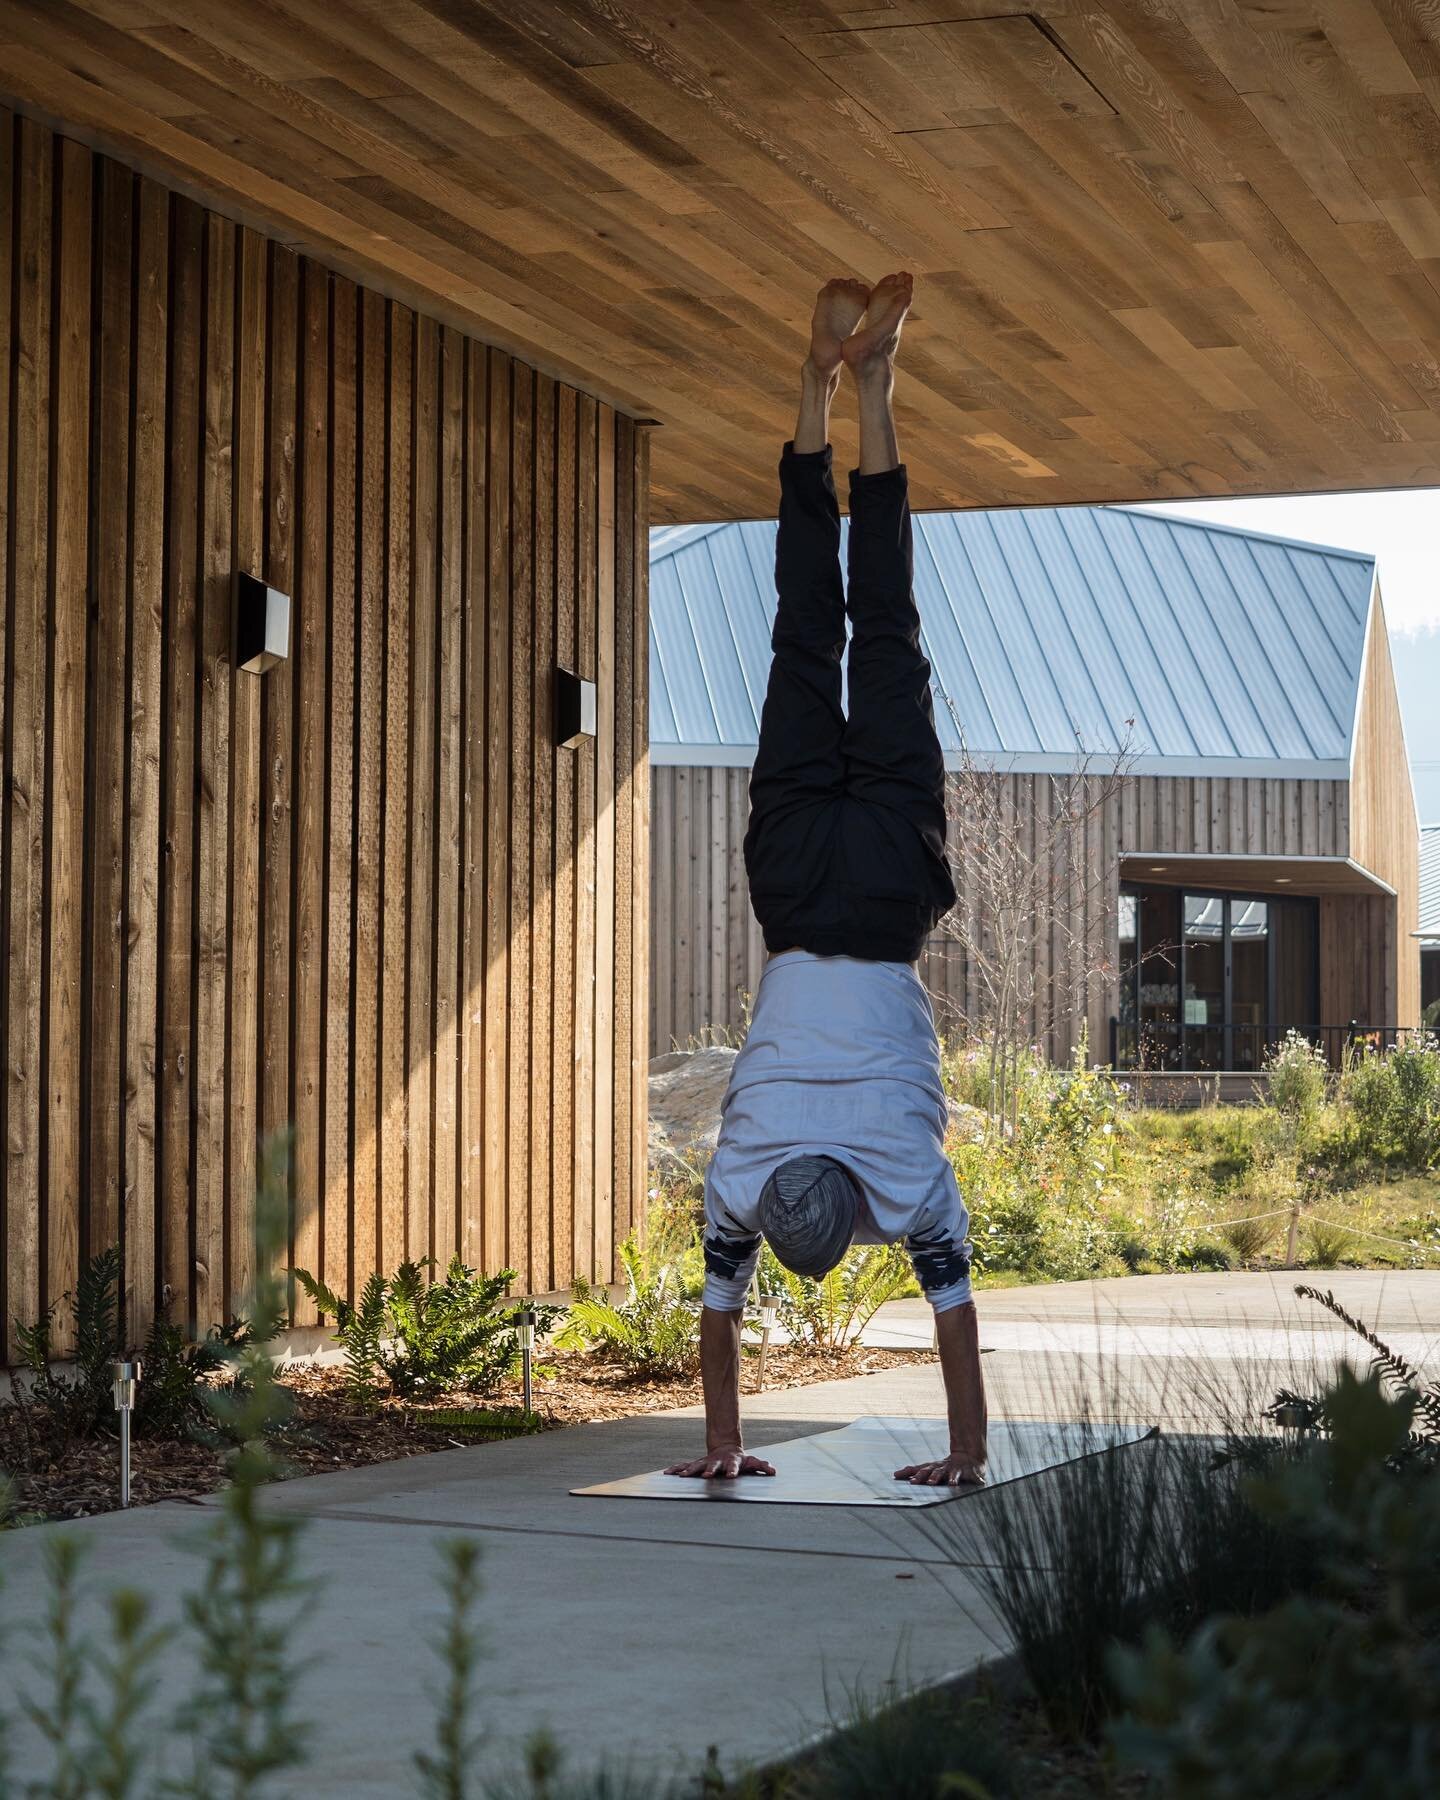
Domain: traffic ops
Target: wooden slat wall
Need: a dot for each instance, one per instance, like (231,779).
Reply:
(1386,830)
(363,894)
(706,951)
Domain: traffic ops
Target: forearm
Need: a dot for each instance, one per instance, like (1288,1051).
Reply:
(957,1331)
(720,1377)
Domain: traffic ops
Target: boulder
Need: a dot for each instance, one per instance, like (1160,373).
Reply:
(686,1089)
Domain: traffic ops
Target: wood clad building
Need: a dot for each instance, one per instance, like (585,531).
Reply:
(1256,868)
(376,299)
(363,893)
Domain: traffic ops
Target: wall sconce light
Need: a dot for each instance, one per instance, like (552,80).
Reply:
(262,625)
(574,709)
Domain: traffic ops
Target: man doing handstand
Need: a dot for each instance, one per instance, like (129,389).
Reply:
(834,1120)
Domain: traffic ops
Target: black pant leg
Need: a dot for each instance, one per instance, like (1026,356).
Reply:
(895,769)
(797,780)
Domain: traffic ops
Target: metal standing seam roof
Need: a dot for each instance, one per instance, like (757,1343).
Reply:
(1430,881)
(1051,630)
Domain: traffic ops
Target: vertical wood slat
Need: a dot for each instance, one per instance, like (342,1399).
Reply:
(474,651)
(540,777)
(583,1179)
(364,895)
(213,774)
(566,967)
(146,749)
(623,635)
(276,788)
(10,1226)
(399,480)
(423,637)
(605,873)
(449,903)
(62,1115)
(369,686)
(243,951)
(522,628)
(180,686)
(105,731)
(28,685)
(495,1003)
(310,648)
(337,1185)
(637,528)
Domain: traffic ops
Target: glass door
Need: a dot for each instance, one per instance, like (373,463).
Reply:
(1250,1009)
(1203,974)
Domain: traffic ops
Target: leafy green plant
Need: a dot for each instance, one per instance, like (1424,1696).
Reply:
(170,1401)
(76,1405)
(424,1336)
(832,1312)
(1331,1691)
(654,1331)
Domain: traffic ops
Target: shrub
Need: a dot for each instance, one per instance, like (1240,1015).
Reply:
(1392,1099)
(1299,1079)
(179,1375)
(1154,1532)
(1249,1236)
(1326,1246)
(427,1337)
(832,1312)
(1332,1691)
(654,1331)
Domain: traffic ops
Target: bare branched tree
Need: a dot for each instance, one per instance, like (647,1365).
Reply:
(1033,874)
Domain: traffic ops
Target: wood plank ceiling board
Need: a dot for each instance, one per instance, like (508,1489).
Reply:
(1160,252)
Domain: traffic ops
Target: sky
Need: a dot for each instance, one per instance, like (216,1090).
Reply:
(1403,530)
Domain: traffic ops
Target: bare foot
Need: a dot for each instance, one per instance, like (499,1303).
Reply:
(872,347)
(839,307)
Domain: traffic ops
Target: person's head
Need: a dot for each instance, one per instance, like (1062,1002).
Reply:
(808,1212)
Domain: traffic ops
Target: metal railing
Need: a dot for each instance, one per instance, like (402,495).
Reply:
(1238,1049)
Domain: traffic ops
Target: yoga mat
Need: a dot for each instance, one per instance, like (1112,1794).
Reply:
(854,1465)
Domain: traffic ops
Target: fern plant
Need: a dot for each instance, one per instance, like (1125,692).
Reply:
(359,1330)
(1399,1379)
(654,1331)
(76,1405)
(832,1312)
(426,1337)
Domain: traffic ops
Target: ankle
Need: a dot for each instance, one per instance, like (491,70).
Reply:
(814,379)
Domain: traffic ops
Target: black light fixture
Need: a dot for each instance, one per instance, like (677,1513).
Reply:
(262,625)
(574,709)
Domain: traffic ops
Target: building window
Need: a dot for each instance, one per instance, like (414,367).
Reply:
(1211,981)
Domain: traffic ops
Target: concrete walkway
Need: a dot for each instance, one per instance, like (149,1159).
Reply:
(645,1631)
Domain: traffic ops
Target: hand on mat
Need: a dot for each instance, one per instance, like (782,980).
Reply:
(952,1471)
(722,1465)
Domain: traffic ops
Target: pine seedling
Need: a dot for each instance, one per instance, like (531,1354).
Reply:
(118,1724)
(59,1717)
(241,1719)
(444,1775)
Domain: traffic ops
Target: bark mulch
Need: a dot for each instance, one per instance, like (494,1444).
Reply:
(328,1432)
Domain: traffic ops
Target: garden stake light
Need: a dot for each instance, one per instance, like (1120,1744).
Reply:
(127,1374)
(526,1322)
(769,1313)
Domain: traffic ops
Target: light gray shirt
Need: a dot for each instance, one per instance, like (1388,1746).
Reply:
(841,1060)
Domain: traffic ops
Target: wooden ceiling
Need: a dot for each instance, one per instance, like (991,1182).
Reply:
(1163,250)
